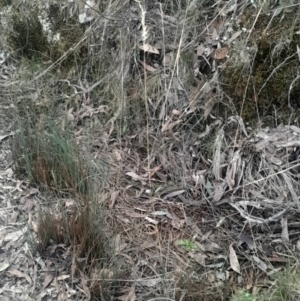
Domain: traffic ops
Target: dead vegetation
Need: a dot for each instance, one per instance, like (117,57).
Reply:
(145,169)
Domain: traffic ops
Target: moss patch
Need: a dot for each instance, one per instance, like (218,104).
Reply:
(262,86)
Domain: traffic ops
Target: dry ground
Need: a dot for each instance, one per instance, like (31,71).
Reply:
(188,202)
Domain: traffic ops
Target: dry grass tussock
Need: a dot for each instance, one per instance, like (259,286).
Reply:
(154,183)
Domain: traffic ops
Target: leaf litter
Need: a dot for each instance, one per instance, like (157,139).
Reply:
(250,178)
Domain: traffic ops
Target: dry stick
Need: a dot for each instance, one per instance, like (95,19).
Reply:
(257,181)
(144,37)
(254,219)
(163,40)
(276,216)
(162,112)
(161,299)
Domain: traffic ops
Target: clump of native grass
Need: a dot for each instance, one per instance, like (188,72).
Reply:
(81,229)
(48,155)
(284,285)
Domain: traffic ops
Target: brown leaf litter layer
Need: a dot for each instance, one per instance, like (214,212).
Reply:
(240,209)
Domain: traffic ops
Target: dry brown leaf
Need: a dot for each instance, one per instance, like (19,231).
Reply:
(168,58)
(229,179)
(118,155)
(285,231)
(168,126)
(165,125)
(70,117)
(279,259)
(234,36)
(3,137)
(196,230)
(105,273)
(4,265)
(260,263)
(61,295)
(173,193)
(85,111)
(113,198)
(162,112)
(148,67)
(152,221)
(177,223)
(152,171)
(8,173)
(118,246)
(234,262)
(134,214)
(200,258)
(272,159)
(62,277)
(149,48)
(219,192)
(206,235)
(200,49)
(14,236)
(213,247)
(215,35)
(47,279)
(85,287)
(208,106)
(129,294)
(13,217)
(28,205)
(162,213)
(244,238)
(136,177)
(221,53)
(20,275)
(123,219)
(220,222)
(150,282)
(298,245)
(211,277)
(176,112)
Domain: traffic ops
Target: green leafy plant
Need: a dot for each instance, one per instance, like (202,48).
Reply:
(243,295)
(186,244)
(285,286)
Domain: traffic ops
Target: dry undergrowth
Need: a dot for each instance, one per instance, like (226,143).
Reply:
(75,222)
(196,204)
